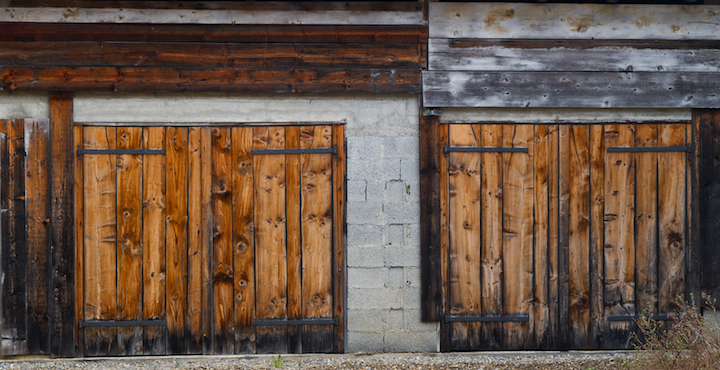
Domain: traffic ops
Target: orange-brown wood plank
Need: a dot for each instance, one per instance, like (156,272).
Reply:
(579,235)
(79,242)
(540,314)
(294,248)
(339,235)
(177,238)
(99,201)
(243,239)
(270,239)
(464,257)
(37,210)
(619,234)
(553,236)
(517,234)
(446,332)
(154,220)
(672,219)
(597,194)
(222,254)
(194,252)
(206,235)
(646,219)
(130,240)
(316,186)
(492,199)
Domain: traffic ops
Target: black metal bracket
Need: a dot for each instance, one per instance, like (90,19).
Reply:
(332,150)
(82,151)
(514,318)
(432,112)
(121,323)
(658,317)
(476,149)
(650,149)
(295,322)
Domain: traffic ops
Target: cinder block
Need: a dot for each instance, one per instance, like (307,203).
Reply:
(413,321)
(376,169)
(366,320)
(411,298)
(365,256)
(401,147)
(374,299)
(364,147)
(412,234)
(397,191)
(401,213)
(361,277)
(364,342)
(356,191)
(402,256)
(412,277)
(363,213)
(410,171)
(395,235)
(395,278)
(394,320)
(364,235)
(411,341)
(376,191)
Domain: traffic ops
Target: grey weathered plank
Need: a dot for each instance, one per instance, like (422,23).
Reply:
(573,21)
(466,55)
(571,89)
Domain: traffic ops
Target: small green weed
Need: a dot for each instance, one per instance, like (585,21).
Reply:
(277,362)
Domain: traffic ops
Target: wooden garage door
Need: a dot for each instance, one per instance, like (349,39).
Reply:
(210,239)
(558,236)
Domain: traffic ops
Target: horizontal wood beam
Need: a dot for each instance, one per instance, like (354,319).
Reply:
(198,55)
(209,80)
(448,54)
(331,13)
(574,21)
(211,33)
(571,89)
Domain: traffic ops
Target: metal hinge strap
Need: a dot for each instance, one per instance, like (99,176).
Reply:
(295,322)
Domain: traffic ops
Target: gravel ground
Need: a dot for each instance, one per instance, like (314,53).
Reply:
(429,361)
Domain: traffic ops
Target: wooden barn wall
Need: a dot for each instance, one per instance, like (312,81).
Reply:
(572,56)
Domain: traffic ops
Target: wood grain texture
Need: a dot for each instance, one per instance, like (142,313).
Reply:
(540,312)
(316,222)
(270,239)
(195,303)
(154,220)
(339,274)
(99,212)
(222,257)
(206,249)
(243,239)
(177,239)
(619,250)
(518,238)
(443,139)
(79,267)
(597,228)
(563,235)
(37,210)
(570,89)
(707,136)
(294,234)
(554,236)
(573,21)
(267,80)
(646,220)
(465,260)
(130,241)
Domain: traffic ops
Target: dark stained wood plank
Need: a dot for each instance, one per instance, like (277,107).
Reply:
(707,138)
(672,218)
(195,257)
(78,339)
(294,247)
(154,219)
(430,253)
(563,246)
(553,236)
(518,271)
(693,252)
(390,6)
(266,80)
(222,256)
(130,240)
(243,239)
(177,239)
(206,249)
(316,222)
(99,201)
(646,218)
(579,236)
(619,242)
(37,210)
(465,237)
(211,55)
(597,207)
(540,313)
(339,236)
(444,195)
(250,33)
(14,251)
(570,89)
(491,200)
(270,239)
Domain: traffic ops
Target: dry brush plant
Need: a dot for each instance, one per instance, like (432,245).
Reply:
(692,340)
